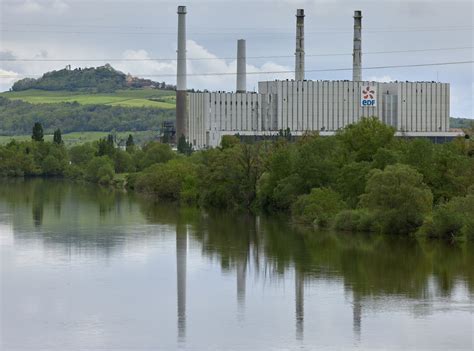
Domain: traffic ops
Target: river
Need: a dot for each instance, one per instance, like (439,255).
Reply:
(88,268)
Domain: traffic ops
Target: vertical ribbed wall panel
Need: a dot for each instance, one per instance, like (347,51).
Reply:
(294,109)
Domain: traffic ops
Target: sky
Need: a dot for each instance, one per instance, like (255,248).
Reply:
(37,36)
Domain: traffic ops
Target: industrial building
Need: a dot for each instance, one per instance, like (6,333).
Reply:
(415,109)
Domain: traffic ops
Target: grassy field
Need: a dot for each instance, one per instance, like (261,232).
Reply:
(77,138)
(164,99)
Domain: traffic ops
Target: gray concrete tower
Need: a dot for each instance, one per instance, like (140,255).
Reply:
(299,60)
(357,54)
(181,94)
(241,67)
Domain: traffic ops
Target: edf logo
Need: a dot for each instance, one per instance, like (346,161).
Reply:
(368,96)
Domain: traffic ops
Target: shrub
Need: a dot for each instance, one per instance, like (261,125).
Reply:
(100,169)
(168,180)
(398,199)
(452,220)
(355,221)
(318,207)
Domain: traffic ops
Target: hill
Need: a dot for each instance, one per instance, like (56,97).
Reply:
(17,117)
(94,79)
(153,98)
(464,123)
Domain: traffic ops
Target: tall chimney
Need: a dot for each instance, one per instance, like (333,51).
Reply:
(299,62)
(241,67)
(357,55)
(181,94)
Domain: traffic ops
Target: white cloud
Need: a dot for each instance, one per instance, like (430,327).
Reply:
(8,77)
(223,79)
(381,79)
(35,6)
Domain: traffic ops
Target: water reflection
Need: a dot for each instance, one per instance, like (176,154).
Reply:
(376,273)
(299,303)
(181,255)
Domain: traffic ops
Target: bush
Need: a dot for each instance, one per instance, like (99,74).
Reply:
(168,180)
(155,152)
(100,170)
(319,207)
(355,221)
(398,199)
(82,154)
(452,220)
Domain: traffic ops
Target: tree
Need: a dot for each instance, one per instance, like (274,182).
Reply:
(105,146)
(57,138)
(184,147)
(319,207)
(81,154)
(155,152)
(130,144)
(100,169)
(37,132)
(398,198)
(362,140)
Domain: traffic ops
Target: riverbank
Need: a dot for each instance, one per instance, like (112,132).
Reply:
(362,179)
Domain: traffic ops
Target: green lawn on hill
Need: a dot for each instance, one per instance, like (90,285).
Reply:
(164,99)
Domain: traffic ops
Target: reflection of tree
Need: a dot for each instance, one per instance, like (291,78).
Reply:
(371,265)
(37,209)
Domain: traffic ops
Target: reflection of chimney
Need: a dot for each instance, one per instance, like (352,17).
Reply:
(299,60)
(357,54)
(299,303)
(241,276)
(356,315)
(181,94)
(241,67)
(181,252)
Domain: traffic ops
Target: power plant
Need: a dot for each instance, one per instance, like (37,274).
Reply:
(414,109)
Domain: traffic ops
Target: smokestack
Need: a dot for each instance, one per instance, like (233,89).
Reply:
(241,67)
(299,63)
(357,55)
(181,94)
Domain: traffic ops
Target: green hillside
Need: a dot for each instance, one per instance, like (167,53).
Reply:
(77,138)
(153,98)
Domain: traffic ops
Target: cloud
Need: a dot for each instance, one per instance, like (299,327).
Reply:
(8,77)
(201,62)
(385,79)
(35,6)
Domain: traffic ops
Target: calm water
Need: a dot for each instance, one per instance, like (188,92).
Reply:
(83,268)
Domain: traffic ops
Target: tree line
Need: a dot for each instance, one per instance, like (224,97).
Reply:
(17,117)
(362,179)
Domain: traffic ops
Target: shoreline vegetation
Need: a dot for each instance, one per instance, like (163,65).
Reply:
(361,180)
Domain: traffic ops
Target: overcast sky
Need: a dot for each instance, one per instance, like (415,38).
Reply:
(138,29)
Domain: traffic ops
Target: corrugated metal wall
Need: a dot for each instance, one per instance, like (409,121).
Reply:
(318,106)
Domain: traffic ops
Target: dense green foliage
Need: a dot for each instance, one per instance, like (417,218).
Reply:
(57,137)
(319,207)
(37,134)
(17,117)
(101,79)
(362,179)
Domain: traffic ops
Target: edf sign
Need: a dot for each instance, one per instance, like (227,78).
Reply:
(368,96)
